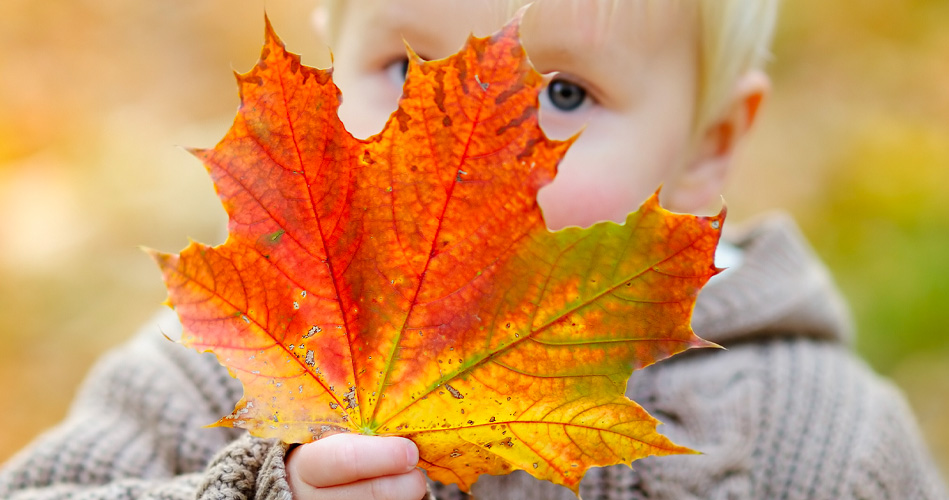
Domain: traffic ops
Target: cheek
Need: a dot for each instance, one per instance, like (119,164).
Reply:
(608,173)
(366,105)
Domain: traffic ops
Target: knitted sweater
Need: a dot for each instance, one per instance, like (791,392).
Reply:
(787,412)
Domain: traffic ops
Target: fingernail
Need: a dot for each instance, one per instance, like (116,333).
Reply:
(411,454)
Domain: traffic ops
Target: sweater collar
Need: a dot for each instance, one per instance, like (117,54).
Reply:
(780,289)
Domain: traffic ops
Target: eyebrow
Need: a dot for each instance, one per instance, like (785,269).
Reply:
(590,60)
(402,25)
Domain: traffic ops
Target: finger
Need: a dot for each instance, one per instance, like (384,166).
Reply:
(406,486)
(347,458)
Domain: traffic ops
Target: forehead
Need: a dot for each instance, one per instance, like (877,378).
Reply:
(627,35)
(608,27)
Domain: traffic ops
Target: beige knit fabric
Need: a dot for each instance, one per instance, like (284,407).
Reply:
(787,412)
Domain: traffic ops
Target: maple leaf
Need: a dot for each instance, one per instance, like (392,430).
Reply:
(407,284)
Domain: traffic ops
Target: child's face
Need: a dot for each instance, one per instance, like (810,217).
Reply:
(625,72)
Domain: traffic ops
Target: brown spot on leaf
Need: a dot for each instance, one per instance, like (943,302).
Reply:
(455,393)
(516,122)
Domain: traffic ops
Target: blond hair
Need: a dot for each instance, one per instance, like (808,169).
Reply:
(734,38)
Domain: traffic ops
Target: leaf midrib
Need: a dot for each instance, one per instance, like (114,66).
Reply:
(441,217)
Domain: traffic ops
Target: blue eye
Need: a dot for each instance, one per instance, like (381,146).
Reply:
(566,95)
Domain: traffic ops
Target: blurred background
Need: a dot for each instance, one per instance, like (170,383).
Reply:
(98,96)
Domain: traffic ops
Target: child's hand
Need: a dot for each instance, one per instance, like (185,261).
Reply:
(353,466)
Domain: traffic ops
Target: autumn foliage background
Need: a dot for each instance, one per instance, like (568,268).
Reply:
(95,95)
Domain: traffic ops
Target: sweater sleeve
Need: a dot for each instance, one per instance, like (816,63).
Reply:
(790,418)
(136,430)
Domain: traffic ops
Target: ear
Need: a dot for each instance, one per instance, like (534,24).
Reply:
(701,180)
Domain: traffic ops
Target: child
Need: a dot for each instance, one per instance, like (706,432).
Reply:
(664,89)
